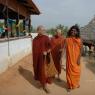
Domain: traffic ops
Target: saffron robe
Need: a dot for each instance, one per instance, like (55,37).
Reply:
(73,69)
(57,44)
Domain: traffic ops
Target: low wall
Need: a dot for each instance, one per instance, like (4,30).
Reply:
(12,51)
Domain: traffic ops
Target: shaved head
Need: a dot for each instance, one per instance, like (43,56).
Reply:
(41,29)
(59,32)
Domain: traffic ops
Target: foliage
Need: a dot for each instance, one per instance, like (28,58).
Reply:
(60,26)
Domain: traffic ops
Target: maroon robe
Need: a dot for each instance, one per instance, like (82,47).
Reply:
(40,44)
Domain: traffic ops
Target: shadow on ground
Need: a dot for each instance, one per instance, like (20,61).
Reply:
(28,75)
(61,83)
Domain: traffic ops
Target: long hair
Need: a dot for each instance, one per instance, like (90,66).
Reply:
(77,29)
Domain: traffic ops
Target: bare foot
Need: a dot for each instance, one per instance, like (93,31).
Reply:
(46,90)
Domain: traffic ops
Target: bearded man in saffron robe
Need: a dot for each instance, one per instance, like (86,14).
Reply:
(73,45)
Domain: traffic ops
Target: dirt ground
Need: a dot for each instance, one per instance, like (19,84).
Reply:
(18,80)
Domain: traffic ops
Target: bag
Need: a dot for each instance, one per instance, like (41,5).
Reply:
(50,68)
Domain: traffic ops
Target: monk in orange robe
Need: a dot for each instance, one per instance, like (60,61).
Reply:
(57,43)
(41,46)
(73,46)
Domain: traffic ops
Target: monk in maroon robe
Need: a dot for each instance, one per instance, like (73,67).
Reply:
(41,46)
(57,43)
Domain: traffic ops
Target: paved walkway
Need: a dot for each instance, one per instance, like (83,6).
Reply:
(18,80)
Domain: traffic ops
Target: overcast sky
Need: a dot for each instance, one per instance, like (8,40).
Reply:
(65,12)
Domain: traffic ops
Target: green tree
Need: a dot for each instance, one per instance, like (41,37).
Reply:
(51,31)
(63,28)
(77,25)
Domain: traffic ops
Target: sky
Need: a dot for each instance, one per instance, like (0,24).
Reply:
(65,12)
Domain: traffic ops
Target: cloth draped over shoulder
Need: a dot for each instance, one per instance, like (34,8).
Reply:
(41,44)
(73,70)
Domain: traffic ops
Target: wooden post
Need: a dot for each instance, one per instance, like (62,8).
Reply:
(29,25)
(11,26)
(17,29)
(6,26)
(24,27)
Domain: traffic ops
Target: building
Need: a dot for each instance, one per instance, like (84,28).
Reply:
(88,31)
(17,10)
(14,49)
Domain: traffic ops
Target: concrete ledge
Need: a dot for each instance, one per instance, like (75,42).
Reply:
(16,50)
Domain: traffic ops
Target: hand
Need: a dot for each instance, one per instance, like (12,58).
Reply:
(61,50)
(49,51)
(78,62)
(45,53)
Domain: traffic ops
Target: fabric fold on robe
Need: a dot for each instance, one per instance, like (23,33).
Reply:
(57,44)
(73,70)
(40,44)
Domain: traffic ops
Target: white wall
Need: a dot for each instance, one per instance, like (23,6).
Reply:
(17,50)
(34,35)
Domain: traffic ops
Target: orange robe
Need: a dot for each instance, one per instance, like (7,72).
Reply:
(57,44)
(73,49)
(40,44)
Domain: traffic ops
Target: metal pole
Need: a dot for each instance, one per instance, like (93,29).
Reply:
(18,23)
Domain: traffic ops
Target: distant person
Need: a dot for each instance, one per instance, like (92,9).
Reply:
(91,49)
(57,43)
(73,45)
(41,47)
